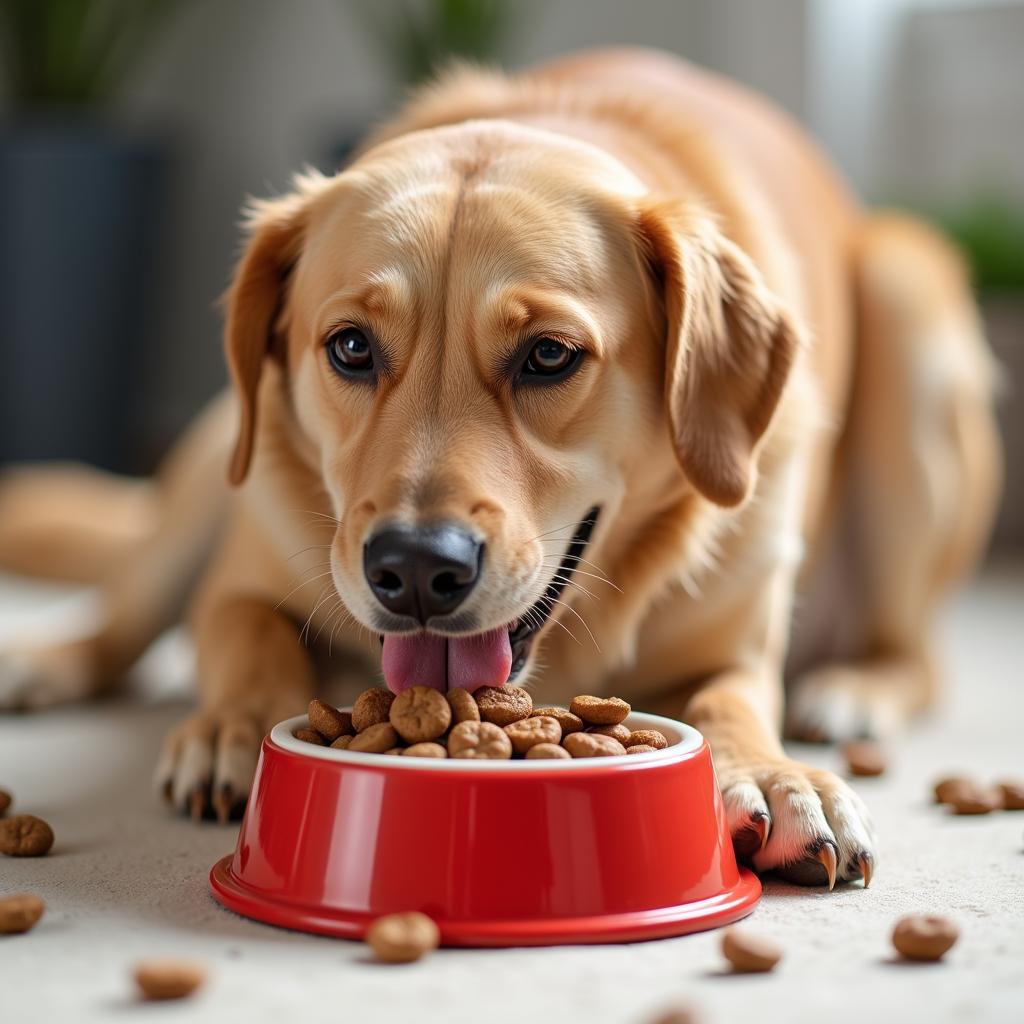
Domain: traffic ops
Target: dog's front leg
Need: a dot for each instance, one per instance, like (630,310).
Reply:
(804,822)
(253,672)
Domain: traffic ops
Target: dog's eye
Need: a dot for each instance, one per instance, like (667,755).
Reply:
(551,359)
(350,353)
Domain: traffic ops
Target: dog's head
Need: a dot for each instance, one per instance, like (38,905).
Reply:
(496,348)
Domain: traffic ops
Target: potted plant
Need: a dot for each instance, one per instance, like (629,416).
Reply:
(80,205)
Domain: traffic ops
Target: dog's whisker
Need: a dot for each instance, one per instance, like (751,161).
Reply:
(314,512)
(312,547)
(583,572)
(547,533)
(566,582)
(325,594)
(299,586)
(327,618)
(570,608)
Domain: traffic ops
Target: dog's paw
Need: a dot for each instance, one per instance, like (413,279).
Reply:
(208,763)
(836,703)
(36,678)
(804,823)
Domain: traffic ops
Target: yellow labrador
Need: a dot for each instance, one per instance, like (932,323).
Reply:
(572,378)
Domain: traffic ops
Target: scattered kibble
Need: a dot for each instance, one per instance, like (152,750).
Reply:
(749,953)
(924,936)
(402,938)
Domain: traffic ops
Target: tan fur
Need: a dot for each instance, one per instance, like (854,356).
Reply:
(766,366)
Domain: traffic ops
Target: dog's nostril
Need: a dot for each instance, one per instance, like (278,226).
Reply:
(445,584)
(387,580)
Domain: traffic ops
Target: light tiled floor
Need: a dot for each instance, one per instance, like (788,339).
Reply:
(126,880)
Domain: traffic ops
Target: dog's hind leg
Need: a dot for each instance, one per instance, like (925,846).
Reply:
(143,588)
(923,481)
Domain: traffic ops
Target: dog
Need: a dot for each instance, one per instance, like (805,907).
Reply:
(594,378)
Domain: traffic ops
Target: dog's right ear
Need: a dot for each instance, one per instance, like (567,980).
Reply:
(253,303)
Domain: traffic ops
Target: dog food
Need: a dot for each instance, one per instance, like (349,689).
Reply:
(402,938)
(479,740)
(503,705)
(420,714)
(372,707)
(531,732)
(589,744)
(973,799)
(677,1015)
(864,758)
(375,739)
(25,836)
(463,706)
(650,738)
(20,913)
(1012,793)
(331,723)
(946,788)
(924,936)
(168,979)
(749,953)
(494,723)
(600,710)
(566,719)
(5,801)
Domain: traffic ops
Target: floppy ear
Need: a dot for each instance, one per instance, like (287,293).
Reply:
(728,354)
(253,302)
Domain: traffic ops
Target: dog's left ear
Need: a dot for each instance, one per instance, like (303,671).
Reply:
(253,302)
(728,354)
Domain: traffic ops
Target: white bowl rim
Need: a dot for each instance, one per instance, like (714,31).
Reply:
(683,741)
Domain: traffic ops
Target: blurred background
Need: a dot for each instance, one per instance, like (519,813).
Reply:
(132,130)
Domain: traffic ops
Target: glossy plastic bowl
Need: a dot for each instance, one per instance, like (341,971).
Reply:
(498,853)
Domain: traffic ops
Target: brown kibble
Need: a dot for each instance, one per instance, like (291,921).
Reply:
(479,740)
(548,751)
(309,736)
(569,722)
(168,979)
(972,799)
(463,706)
(371,708)
(677,1015)
(375,739)
(617,732)
(20,913)
(342,743)
(589,744)
(1011,792)
(600,710)
(946,788)
(528,732)
(749,953)
(503,705)
(864,758)
(420,714)
(402,938)
(5,801)
(647,737)
(425,750)
(924,936)
(24,835)
(641,748)
(329,721)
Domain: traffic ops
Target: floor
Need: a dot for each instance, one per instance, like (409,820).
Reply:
(126,880)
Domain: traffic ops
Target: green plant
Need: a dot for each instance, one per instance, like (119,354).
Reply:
(418,37)
(990,231)
(75,51)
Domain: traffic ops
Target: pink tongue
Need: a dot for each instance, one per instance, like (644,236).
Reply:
(444,663)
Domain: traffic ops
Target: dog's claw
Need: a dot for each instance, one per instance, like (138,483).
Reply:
(197,803)
(223,801)
(867,866)
(827,856)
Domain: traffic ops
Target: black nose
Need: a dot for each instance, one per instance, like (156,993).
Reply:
(422,571)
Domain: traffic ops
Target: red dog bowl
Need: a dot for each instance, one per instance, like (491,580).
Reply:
(498,853)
